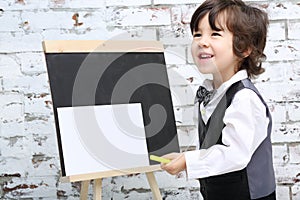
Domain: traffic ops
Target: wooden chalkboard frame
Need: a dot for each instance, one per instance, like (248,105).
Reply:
(73,46)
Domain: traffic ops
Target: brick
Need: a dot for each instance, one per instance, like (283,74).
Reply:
(176,78)
(9,66)
(278,91)
(138,193)
(280,155)
(293,93)
(44,164)
(189,75)
(73,4)
(274,72)
(286,174)
(68,190)
(23,5)
(276,31)
(184,116)
(294,153)
(11,107)
(130,187)
(1,86)
(187,137)
(10,21)
(42,127)
(128,2)
(182,194)
(15,165)
(36,21)
(139,16)
(41,144)
(295,191)
(31,187)
(293,30)
(15,144)
(134,181)
(28,84)
(175,55)
(32,63)
(175,34)
(286,132)
(91,19)
(177,2)
(183,95)
(45,154)
(187,13)
(283,192)
(176,15)
(38,104)
(283,10)
(282,51)
(169,181)
(75,34)
(293,72)
(179,32)
(250,1)
(12,128)
(135,33)
(278,112)
(16,42)
(293,113)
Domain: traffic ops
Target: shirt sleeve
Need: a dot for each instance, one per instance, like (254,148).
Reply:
(246,127)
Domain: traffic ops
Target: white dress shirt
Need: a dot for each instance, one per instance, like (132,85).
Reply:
(246,127)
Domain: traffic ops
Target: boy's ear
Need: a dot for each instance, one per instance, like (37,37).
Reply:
(247,52)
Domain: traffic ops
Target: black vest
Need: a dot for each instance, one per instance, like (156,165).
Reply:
(257,180)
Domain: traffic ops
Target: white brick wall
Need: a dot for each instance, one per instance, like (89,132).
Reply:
(29,162)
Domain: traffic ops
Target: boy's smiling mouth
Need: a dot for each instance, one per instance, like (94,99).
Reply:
(205,56)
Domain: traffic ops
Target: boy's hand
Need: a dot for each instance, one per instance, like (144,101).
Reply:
(176,165)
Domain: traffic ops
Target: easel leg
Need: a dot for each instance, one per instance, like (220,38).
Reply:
(153,185)
(97,189)
(84,190)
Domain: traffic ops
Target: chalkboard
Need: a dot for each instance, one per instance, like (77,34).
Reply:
(112,104)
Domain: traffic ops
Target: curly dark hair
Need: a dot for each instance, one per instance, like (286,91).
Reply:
(248,24)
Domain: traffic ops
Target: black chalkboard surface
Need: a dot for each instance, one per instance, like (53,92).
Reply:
(98,73)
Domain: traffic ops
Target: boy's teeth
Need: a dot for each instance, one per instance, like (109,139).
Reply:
(205,56)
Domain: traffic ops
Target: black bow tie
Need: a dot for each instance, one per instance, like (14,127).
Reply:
(203,95)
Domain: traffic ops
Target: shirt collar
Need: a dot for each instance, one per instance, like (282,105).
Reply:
(240,75)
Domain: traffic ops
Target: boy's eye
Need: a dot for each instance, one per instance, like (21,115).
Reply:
(197,35)
(216,34)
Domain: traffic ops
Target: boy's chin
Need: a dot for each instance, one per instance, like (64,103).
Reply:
(206,70)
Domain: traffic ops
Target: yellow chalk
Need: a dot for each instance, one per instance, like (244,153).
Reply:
(159,159)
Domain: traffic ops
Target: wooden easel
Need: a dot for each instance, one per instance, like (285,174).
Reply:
(67,50)
(97,178)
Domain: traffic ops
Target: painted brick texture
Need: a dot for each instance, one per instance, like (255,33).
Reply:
(29,160)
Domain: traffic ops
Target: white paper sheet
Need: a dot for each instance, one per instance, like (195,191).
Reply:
(102,138)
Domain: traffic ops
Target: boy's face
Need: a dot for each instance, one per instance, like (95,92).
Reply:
(212,50)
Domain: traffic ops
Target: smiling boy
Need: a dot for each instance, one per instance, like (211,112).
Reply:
(234,161)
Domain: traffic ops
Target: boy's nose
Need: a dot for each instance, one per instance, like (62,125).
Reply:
(203,42)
